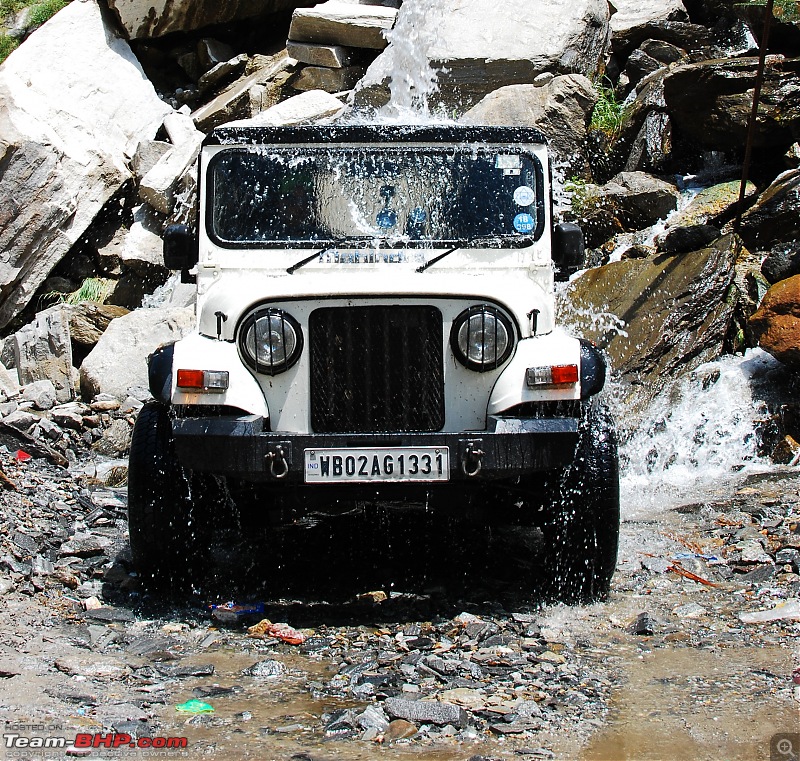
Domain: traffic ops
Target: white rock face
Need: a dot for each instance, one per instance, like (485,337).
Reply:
(119,361)
(479,46)
(74,104)
(633,13)
(306,107)
(155,18)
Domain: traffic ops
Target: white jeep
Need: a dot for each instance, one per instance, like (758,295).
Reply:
(375,321)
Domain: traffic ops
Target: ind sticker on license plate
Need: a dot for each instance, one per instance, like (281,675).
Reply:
(385,464)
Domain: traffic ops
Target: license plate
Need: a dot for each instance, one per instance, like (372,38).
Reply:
(384,464)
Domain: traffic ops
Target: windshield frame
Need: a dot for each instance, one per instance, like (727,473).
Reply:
(503,241)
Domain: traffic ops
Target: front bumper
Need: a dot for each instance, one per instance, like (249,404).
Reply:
(239,447)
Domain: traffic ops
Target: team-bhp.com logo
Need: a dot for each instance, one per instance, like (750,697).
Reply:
(87,741)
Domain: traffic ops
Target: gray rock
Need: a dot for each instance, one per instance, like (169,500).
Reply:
(67,419)
(116,439)
(222,72)
(315,105)
(148,153)
(65,142)
(158,185)
(343,23)
(42,393)
(788,556)
(329,80)
(268,669)
(783,262)
(373,717)
(560,108)
(332,56)
(119,360)
(426,712)
(85,545)
(774,219)
(43,351)
(9,382)
(21,420)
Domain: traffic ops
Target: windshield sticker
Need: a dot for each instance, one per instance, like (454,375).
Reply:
(510,164)
(524,223)
(524,195)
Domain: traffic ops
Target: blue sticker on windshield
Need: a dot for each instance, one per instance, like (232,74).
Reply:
(524,223)
(386,218)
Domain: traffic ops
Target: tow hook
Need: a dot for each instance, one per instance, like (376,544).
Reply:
(278,467)
(471,462)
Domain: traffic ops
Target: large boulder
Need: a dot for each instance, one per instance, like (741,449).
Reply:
(657,318)
(343,23)
(776,324)
(155,18)
(65,139)
(632,15)
(475,49)
(710,103)
(775,219)
(119,360)
(561,109)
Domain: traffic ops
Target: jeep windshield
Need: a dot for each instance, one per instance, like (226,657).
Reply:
(295,196)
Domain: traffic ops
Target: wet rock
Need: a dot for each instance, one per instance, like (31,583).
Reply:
(400,729)
(560,109)
(675,309)
(786,451)
(782,262)
(268,669)
(681,240)
(710,103)
(476,50)
(776,324)
(774,219)
(58,172)
(644,626)
(426,711)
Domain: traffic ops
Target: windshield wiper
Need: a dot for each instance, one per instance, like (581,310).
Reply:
(461,244)
(291,270)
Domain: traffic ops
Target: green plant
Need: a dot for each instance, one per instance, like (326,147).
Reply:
(609,112)
(95,289)
(42,11)
(7,46)
(579,197)
(786,10)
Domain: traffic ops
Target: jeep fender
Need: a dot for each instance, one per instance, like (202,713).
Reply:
(511,388)
(196,352)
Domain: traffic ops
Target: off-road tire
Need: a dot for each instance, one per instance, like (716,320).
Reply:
(581,532)
(164,522)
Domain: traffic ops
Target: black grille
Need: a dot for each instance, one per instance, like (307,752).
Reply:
(376,369)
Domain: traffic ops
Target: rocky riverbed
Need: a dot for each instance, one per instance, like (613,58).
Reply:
(678,662)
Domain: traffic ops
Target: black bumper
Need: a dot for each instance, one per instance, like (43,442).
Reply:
(239,447)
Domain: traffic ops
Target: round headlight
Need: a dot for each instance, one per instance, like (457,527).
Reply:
(271,341)
(482,338)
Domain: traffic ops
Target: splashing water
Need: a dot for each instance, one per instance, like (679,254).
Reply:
(406,62)
(700,432)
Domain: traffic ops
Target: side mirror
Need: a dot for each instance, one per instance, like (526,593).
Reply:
(569,248)
(180,248)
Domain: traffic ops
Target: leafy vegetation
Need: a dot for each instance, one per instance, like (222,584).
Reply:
(786,10)
(41,11)
(609,113)
(94,289)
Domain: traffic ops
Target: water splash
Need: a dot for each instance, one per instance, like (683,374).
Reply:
(406,63)
(700,432)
